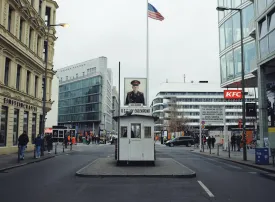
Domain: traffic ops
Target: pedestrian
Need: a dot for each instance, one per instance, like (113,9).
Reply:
(213,141)
(22,144)
(233,142)
(49,141)
(209,141)
(239,139)
(38,143)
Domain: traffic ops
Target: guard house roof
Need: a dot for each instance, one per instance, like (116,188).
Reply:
(135,115)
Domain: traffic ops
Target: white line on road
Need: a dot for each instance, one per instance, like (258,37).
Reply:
(206,189)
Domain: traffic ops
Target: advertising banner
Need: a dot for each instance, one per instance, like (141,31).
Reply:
(270,91)
(232,94)
(135,93)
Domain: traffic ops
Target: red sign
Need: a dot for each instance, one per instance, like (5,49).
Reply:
(232,94)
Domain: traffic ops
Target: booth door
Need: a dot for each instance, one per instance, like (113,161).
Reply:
(135,147)
(124,144)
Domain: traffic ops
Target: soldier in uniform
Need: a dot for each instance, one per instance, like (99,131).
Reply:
(135,96)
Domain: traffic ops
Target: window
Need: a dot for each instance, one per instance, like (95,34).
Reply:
(21,29)
(10,19)
(33,127)
(264,47)
(7,71)
(272,21)
(35,86)
(66,77)
(222,38)
(18,75)
(272,41)
(261,5)
(15,126)
(135,130)
(123,132)
(223,69)
(238,62)
(26,121)
(3,125)
(48,15)
(263,28)
(28,81)
(236,27)
(45,49)
(30,38)
(230,65)
(38,45)
(249,56)
(40,6)
(228,32)
(248,18)
(147,132)
(221,13)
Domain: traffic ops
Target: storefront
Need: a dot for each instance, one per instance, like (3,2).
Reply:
(17,116)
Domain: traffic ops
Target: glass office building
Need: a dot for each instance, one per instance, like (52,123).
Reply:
(230,43)
(80,102)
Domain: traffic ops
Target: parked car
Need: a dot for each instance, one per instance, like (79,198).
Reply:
(185,140)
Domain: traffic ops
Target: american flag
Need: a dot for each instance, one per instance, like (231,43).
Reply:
(153,13)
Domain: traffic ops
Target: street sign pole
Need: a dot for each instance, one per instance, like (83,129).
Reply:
(200,129)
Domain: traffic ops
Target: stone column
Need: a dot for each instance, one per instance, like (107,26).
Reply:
(263,119)
(4,13)
(52,16)
(23,79)
(34,41)
(20,121)
(30,127)
(26,30)
(43,9)
(36,5)
(37,122)
(9,141)
(2,69)
(23,38)
(16,24)
(48,89)
(12,74)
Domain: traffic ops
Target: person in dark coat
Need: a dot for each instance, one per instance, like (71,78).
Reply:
(135,96)
(213,141)
(209,141)
(238,140)
(233,142)
(38,142)
(49,140)
(22,144)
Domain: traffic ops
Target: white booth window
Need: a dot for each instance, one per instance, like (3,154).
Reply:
(147,132)
(123,132)
(135,130)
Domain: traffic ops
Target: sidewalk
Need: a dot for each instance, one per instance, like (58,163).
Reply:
(237,157)
(8,162)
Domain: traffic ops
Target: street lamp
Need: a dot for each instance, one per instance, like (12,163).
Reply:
(46,71)
(243,84)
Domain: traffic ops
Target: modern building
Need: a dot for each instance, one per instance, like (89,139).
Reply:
(23,33)
(85,95)
(259,52)
(115,108)
(187,99)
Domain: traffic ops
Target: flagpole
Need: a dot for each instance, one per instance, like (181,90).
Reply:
(147,53)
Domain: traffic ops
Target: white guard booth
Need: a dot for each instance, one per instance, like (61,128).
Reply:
(136,138)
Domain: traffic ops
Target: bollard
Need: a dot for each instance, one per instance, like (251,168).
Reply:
(34,152)
(71,147)
(210,149)
(55,148)
(63,147)
(218,150)
(18,154)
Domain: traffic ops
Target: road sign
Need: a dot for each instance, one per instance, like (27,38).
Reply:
(212,114)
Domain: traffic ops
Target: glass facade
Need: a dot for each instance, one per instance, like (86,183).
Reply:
(15,126)
(230,36)
(80,100)
(3,126)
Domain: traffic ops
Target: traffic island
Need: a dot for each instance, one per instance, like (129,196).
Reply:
(163,167)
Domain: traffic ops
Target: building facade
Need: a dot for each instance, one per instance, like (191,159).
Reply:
(187,99)
(115,109)
(85,95)
(23,31)
(259,52)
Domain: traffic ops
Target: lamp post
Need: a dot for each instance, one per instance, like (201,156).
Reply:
(243,72)
(46,72)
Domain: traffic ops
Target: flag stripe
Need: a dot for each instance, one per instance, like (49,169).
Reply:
(153,13)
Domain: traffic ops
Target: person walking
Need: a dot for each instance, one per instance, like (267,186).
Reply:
(233,142)
(213,141)
(38,143)
(49,141)
(23,140)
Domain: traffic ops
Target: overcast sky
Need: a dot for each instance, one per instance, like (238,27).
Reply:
(186,42)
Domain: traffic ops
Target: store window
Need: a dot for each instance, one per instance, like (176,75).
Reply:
(33,127)
(222,38)
(135,130)
(228,32)
(15,126)
(238,62)
(249,56)
(223,69)
(236,27)
(3,126)
(248,18)
(230,65)
(123,132)
(147,132)
(26,122)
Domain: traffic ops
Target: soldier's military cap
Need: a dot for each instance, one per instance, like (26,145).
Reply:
(135,82)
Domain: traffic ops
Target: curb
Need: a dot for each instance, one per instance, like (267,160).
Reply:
(193,175)
(24,164)
(238,162)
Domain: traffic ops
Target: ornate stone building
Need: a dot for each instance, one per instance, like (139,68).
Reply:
(23,31)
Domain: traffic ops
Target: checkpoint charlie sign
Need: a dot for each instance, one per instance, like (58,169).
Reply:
(212,114)
(136,111)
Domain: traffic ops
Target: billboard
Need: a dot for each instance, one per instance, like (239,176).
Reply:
(135,92)
(232,94)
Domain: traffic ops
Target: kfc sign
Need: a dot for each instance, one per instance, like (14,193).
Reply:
(232,94)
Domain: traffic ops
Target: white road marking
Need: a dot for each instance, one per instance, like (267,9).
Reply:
(206,189)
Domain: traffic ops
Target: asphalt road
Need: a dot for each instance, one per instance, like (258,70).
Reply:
(54,180)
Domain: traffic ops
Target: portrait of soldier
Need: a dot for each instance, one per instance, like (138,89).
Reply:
(135,96)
